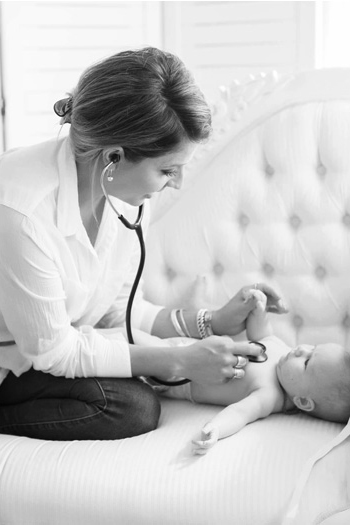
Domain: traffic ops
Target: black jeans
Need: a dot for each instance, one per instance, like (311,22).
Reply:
(44,406)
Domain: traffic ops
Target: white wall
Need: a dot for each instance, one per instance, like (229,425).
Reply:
(223,41)
(47,44)
(336,34)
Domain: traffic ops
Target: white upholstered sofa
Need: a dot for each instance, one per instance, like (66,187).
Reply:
(268,199)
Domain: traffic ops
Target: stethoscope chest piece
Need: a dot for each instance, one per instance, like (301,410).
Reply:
(258,358)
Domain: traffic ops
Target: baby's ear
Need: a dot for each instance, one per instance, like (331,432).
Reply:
(304,403)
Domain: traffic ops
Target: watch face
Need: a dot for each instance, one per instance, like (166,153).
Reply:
(258,358)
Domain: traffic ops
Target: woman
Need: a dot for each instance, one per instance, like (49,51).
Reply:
(67,263)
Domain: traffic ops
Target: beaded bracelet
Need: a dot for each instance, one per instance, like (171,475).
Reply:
(204,318)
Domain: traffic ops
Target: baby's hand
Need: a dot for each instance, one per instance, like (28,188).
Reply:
(210,436)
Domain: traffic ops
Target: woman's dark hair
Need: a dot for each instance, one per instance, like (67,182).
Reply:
(145,101)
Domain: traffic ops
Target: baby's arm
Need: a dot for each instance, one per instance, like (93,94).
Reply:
(257,405)
(258,324)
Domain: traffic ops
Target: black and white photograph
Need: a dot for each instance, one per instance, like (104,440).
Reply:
(175,262)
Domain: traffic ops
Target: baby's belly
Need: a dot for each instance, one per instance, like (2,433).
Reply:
(222,394)
(257,375)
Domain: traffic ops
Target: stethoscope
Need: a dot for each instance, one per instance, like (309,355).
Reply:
(138,229)
(136,226)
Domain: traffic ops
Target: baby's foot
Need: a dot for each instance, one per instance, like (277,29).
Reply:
(259,298)
(258,325)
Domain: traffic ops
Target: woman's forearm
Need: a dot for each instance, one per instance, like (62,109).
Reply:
(209,360)
(155,361)
(228,320)
(163,326)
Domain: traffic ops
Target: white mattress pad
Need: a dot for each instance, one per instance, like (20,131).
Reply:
(247,479)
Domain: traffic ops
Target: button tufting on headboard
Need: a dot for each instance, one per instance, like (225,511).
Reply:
(271,205)
(218,269)
(346,219)
(297,321)
(243,220)
(295,221)
(346,321)
(170,273)
(268,269)
(269,170)
(321,170)
(320,272)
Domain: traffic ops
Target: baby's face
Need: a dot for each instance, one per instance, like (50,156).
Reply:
(309,371)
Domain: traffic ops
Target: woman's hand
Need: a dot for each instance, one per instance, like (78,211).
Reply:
(231,318)
(214,359)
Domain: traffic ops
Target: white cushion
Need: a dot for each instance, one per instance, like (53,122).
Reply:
(154,480)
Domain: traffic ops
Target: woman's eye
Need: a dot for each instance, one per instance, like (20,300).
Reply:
(169,173)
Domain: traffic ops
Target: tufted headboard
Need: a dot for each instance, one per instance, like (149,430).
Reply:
(268,199)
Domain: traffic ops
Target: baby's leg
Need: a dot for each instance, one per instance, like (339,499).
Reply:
(258,324)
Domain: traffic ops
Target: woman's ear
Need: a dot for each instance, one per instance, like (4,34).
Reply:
(113,155)
(304,403)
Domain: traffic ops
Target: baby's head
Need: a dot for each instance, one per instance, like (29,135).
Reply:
(316,378)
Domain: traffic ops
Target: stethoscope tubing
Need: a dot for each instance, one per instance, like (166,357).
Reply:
(136,226)
(130,225)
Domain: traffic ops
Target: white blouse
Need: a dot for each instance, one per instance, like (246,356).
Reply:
(55,287)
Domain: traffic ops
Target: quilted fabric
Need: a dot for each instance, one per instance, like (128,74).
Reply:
(272,204)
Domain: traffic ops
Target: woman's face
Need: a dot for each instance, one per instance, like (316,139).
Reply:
(135,182)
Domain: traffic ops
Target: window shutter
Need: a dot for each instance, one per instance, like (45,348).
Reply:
(223,41)
(47,45)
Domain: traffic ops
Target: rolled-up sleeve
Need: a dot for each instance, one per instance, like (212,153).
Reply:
(33,305)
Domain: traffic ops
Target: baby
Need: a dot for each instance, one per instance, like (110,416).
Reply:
(311,378)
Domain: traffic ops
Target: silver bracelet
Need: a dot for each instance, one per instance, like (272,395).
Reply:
(176,324)
(204,318)
(184,325)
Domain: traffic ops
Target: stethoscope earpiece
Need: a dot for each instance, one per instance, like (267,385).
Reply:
(115,157)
